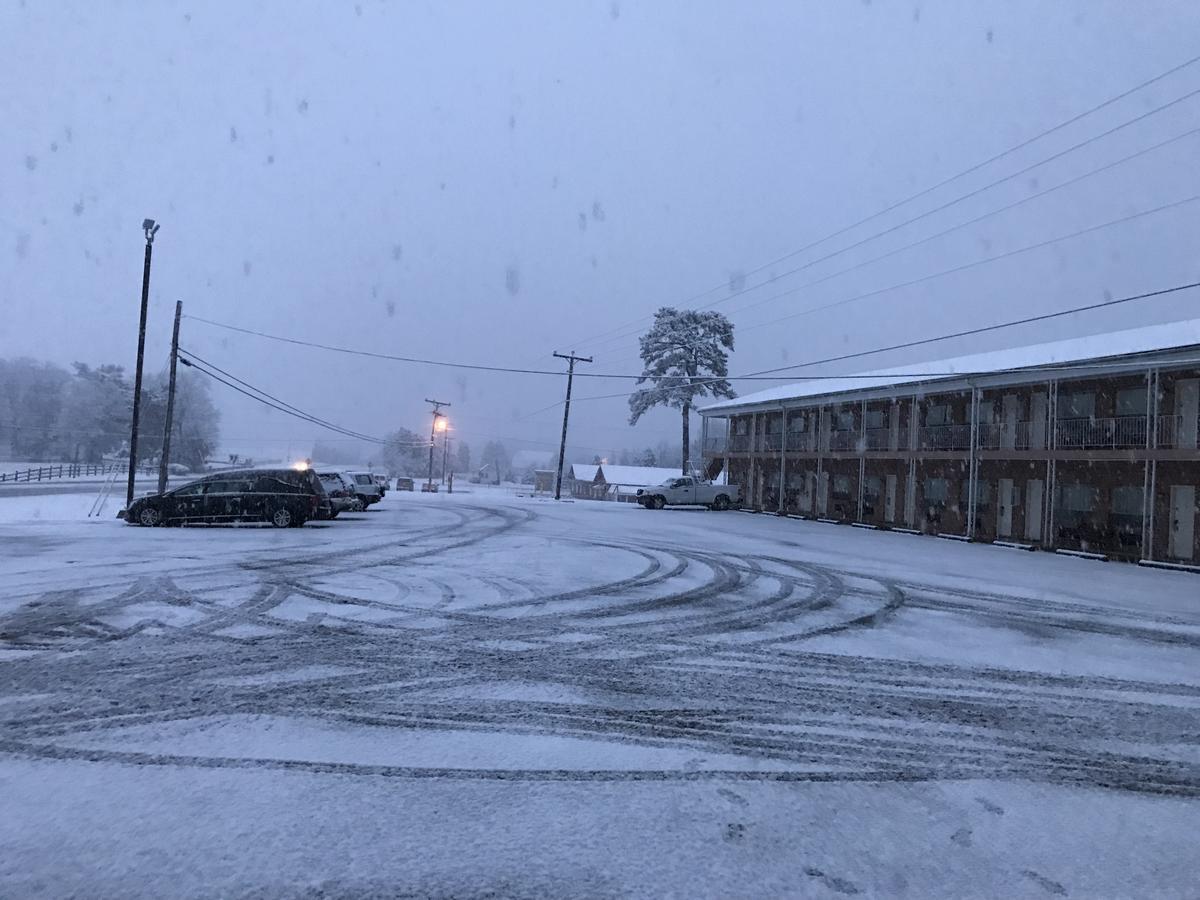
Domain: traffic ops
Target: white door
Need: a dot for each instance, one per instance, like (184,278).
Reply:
(1183,521)
(1033,510)
(1037,422)
(822,493)
(1012,412)
(889,499)
(1004,499)
(1187,407)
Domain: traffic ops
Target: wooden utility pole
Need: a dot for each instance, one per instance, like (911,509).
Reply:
(571,359)
(437,406)
(165,460)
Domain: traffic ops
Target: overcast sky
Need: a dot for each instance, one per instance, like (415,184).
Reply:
(489,182)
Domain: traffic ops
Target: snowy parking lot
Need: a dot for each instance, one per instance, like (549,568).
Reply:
(457,695)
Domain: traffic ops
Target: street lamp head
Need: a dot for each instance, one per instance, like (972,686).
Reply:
(150,228)
(440,423)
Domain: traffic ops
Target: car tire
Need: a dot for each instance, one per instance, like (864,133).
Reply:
(659,502)
(281,517)
(721,503)
(149,516)
(363,501)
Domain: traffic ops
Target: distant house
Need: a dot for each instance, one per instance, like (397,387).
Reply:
(580,480)
(543,480)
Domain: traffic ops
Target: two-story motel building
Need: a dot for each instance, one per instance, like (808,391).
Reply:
(1084,445)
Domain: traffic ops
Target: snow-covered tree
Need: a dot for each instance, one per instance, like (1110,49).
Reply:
(685,355)
(462,457)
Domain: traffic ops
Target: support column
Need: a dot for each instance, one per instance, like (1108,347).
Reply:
(973,465)
(783,433)
(862,456)
(1051,473)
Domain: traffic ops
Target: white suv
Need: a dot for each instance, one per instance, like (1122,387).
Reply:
(365,487)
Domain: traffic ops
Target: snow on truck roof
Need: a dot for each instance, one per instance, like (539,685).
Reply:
(1147,339)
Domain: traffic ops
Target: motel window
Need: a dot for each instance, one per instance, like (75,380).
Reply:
(937,490)
(742,426)
(874,418)
(797,423)
(1077,406)
(845,420)
(841,485)
(774,424)
(1131,402)
(1077,497)
(1127,500)
(937,414)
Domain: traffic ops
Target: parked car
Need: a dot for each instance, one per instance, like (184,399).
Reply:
(404,484)
(365,488)
(340,489)
(283,497)
(382,481)
(688,491)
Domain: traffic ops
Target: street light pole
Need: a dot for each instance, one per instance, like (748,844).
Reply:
(445,451)
(437,405)
(151,230)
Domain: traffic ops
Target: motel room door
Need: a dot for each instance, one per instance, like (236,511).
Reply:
(1183,521)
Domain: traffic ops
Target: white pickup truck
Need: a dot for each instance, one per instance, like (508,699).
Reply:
(688,491)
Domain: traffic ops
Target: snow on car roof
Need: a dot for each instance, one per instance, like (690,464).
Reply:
(1165,336)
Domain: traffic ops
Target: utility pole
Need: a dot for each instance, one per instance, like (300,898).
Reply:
(165,460)
(445,452)
(571,359)
(151,230)
(437,414)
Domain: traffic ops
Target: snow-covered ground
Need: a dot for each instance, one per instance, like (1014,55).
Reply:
(491,695)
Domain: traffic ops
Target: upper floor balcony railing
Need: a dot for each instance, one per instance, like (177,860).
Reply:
(802,441)
(771,443)
(1178,433)
(946,437)
(1119,432)
(1011,436)
(879,439)
(844,440)
(716,445)
(739,443)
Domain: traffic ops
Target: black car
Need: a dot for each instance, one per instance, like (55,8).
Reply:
(283,497)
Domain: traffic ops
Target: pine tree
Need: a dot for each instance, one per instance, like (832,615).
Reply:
(684,357)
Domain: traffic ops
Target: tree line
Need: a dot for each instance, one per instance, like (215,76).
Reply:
(82,415)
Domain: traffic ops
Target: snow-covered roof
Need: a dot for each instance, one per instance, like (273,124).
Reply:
(1147,339)
(639,476)
(583,471)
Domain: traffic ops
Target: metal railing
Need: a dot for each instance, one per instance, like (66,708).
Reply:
(879,439)
(1115,432)
(844,440)
(802,441)
(772,442)
(946,437)
(739,443)
(1174,433)
(717,444)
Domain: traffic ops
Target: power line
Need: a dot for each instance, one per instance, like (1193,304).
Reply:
(970,332)
(287,409)
(624,332)
(618,375)
(1009,206)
